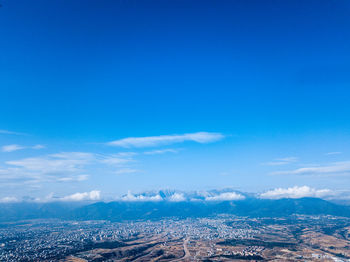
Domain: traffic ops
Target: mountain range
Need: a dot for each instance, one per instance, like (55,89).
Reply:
(163,204)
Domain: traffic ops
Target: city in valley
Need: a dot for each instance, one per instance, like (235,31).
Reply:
(174,130)
(219,238)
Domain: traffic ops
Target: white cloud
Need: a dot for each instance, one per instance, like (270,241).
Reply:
(132,197)
(161,151)
(74,155)
(227,196)
(177,197)
(282,161)
(86,196)
(11,148)
(334,168)
(295,192)
(153,141)
(8,200)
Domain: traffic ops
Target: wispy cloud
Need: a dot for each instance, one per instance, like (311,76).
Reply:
(116,160)
(15,147)
(334,168)
(161,151)
(8,132)
(62,167)
(77,178)
(282,161)
(333,153)
(11,148)
(62,162)
(154,141)
(38,147)
(296,192)
(126,171)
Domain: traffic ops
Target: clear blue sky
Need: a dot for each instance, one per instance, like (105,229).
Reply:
(267,80)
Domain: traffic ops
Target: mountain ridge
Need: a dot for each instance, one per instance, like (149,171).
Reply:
(153,210)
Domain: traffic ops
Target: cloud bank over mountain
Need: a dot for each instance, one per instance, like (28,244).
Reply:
(296,192)
(223,195)
(86,196)
(227,196)
(230,194)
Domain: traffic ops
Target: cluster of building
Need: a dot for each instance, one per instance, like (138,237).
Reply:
(53,239)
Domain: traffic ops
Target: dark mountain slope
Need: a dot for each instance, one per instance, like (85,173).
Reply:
(120,211)
(117,211)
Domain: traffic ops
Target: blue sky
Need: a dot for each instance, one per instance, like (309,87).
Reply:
(266,82)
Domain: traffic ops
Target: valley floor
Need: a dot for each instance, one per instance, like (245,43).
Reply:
(221,238)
